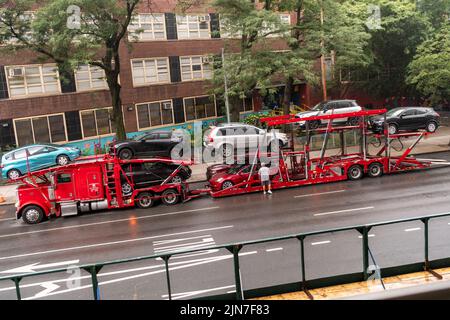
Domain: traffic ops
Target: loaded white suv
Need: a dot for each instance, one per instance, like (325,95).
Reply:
(328,108)
(225,138)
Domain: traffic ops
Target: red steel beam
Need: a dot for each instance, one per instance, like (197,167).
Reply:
(291,119)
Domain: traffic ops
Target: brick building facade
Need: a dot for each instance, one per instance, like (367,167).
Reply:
(164,82)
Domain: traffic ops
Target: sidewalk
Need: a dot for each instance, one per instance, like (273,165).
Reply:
(436,143)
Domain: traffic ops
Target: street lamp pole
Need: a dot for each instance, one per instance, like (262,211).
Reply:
(227,103)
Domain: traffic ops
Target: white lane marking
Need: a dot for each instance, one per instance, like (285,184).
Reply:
(183,295)
(370,236)
(35,266)
(187,246)
(106,222)
(183,266)
(320,242)
(112,273)
(413,229)
(161,242)
(342,211)
(110,243)
(49,287)
(318,194)
(274,249)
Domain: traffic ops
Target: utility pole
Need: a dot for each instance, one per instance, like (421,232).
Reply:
(322,57)
(227,103)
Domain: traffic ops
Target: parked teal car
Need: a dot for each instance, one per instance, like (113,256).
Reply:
(39,156)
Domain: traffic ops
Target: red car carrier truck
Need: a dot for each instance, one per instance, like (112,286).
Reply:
(96,184)
(91,185)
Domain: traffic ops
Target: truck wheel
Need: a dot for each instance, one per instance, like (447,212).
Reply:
(170,197)
(62,160)
(32,214)
(375,170)
(355,172)
(145,200)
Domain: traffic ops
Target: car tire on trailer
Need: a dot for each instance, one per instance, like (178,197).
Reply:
(375,170)
(226,150)
(62,160)
(280,146)
(355,172)
(353,121)
(227,184)
(32,214)
(13,174)
(125,154)
(392,128)
(431,126)
(145,200)
(313,124)
(170,197)
(127,189)
(177,179)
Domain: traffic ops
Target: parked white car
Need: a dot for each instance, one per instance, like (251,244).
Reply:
(225,138)
(328,108)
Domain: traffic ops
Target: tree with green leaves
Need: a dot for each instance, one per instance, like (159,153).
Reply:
(394,40)
(323,28)
(250,60)
(429,72)
(71,33)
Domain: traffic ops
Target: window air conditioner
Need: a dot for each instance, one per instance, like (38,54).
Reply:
(16,72)
(167,106)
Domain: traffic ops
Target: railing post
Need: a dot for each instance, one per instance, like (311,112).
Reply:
(237,272)
(365,246)
(93,270)
(427,260)
(303,266)
(169,288)
(16,282)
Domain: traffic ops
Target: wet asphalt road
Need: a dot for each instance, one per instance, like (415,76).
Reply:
(104,236)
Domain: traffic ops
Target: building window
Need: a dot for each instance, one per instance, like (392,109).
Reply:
(89,77)
(195,68)
(199,108)
(285,20)
(154,114)
(45,129)
(33,80)
(146,27)
(148,71)
(193,27)
(96,122)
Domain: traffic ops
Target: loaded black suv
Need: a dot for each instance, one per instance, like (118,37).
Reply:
(153,144)
(407,118)
(143,175)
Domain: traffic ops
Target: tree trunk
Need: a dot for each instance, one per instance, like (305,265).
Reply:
(234,108)
(287,98)
(117,116)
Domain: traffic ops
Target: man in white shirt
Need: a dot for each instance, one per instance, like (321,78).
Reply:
(264,175)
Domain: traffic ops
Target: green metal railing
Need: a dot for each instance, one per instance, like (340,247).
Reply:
(235,248)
